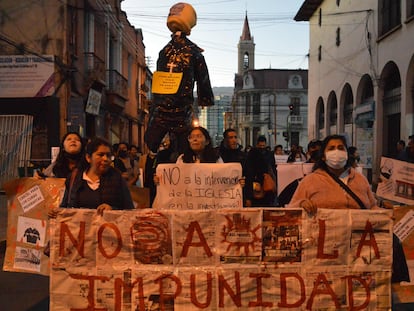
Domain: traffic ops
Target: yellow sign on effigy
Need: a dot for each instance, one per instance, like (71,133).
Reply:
(166,82)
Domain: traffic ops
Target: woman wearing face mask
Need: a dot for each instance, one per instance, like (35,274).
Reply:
(322,188)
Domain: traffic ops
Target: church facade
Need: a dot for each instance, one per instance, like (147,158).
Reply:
(270,102)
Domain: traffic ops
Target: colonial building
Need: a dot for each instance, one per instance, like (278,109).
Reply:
(72,65)
(361,73)
(270,102)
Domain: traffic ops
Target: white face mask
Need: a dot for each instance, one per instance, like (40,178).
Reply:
(336,159)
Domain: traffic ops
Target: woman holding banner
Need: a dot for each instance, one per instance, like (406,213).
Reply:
(198,148)
(96,184)
(333,182)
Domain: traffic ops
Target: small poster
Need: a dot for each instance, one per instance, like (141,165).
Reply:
(396,181)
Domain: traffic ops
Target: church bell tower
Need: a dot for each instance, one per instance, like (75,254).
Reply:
(245,49)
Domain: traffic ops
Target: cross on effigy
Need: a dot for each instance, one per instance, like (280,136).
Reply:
(171,66)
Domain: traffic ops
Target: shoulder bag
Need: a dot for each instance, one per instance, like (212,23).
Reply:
(269,184)
(347,189)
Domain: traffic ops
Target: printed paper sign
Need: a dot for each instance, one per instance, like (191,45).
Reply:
(31,231)
(404,227)
(166,82)
(30,198)
(396,181)
(201,186)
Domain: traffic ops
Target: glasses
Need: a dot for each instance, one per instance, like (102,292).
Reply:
(195,136)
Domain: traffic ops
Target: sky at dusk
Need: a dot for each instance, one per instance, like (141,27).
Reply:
(281,43)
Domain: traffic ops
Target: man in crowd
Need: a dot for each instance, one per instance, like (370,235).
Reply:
(230,150)
(408,154)
(313,154)
(122,162)
(259,161)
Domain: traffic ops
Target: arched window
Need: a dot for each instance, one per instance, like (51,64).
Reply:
(246,60)
(320,115)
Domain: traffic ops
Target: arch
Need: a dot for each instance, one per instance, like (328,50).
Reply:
(332,113)
(320,118)
(409,98)
(364,116)
(365,90)
(390,95)
(246,60)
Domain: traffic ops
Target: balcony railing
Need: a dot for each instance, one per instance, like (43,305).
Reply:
(95,67)
(296,120)
(117,83)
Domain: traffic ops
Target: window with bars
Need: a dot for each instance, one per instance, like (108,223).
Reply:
(389,14)
(410,8)
(294,106)
(256,104)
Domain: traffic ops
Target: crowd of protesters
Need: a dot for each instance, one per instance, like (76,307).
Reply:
(138,170)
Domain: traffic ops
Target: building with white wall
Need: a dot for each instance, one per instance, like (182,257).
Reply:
(361,73)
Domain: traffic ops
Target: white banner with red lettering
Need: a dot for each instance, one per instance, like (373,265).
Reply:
(228,259)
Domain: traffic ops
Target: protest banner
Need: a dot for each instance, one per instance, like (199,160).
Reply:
(403,292)
(202,186)
(396,181)
(226,259)
(29,200)
(206,259)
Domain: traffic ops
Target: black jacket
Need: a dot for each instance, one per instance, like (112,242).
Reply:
(232,155)
(259,162)
(174,112)
(113,191)
(187,58)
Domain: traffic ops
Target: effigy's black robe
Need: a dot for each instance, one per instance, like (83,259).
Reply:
(173,113)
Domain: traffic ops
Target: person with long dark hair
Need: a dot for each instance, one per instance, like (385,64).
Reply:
(70,154)
(96,184)
(198,148)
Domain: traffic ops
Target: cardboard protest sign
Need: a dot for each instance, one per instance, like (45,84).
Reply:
(29,200)
(403,292)
(201,186)
(229,259)
(396,181)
